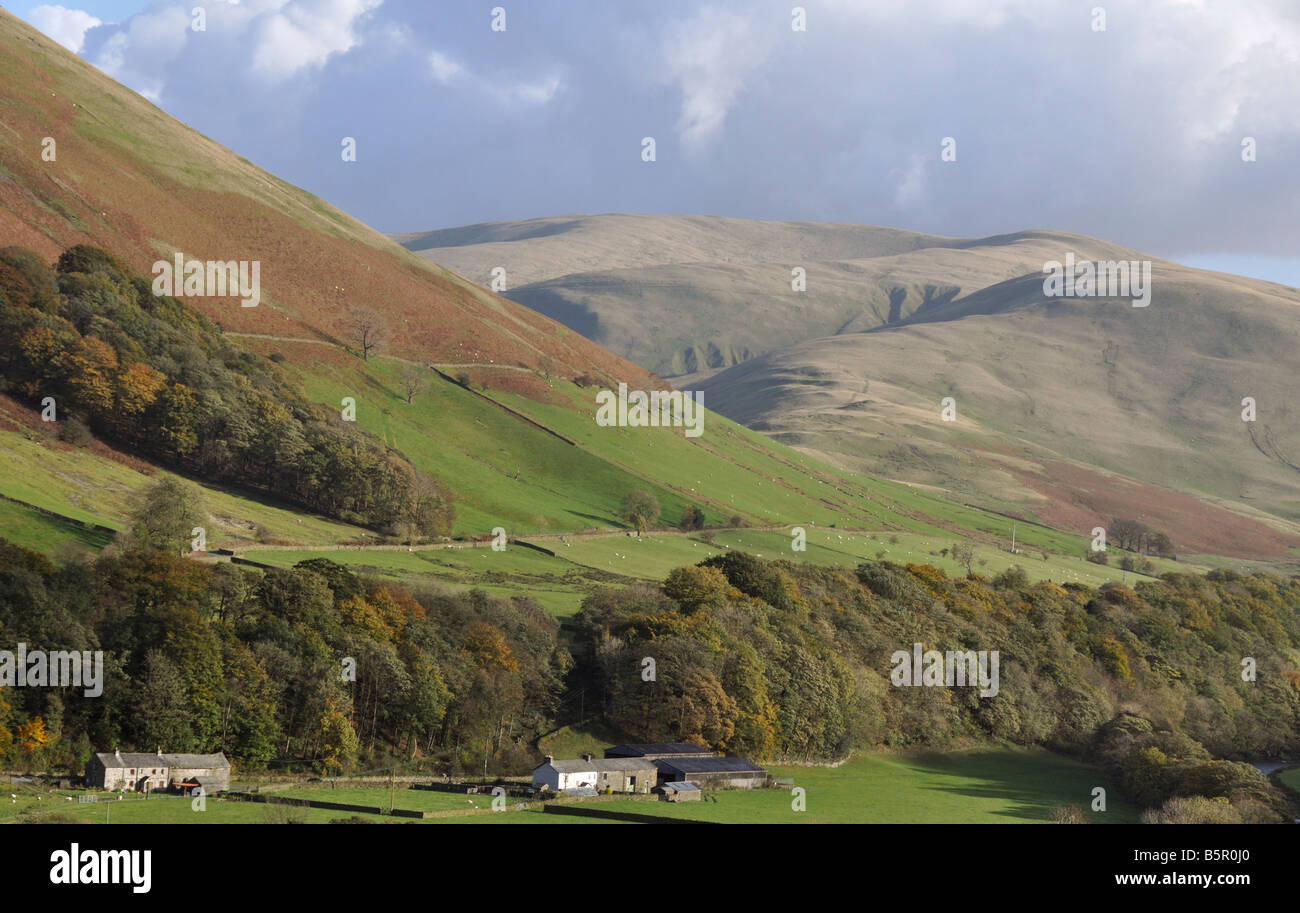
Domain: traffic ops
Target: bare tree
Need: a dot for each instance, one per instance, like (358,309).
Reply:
(413,382)
(366,329)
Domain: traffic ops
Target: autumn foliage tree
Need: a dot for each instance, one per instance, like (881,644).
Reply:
(155,376)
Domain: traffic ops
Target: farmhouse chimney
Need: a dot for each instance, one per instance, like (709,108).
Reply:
(550,758)
(118,755)
(586,756)
(160,757)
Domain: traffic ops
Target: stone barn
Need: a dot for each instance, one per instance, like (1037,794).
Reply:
(679,792)
(711,773)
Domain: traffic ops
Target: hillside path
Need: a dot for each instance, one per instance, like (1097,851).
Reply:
(408,361)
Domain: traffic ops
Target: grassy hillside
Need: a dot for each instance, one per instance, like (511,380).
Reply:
(1070,411)
(686,294)
(1077,411)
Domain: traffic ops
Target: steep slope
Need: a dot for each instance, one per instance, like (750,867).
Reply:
(130,179)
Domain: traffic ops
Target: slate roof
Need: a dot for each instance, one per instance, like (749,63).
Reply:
(665,748)
(138,759)
(684,786)
(597,766)
(707,766)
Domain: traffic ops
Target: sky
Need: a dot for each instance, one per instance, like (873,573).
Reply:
(1130,121)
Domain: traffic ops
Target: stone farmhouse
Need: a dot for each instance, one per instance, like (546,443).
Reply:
(140,771)
(620,775)
(643,767)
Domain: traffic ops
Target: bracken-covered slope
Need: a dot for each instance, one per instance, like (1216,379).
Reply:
(134,181)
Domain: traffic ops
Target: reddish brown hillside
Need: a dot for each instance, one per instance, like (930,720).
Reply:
(130,179)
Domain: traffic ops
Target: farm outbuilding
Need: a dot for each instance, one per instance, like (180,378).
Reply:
(680,792)
(713,773)
(652,751)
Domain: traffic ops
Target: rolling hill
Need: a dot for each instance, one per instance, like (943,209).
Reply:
(505,419)
(1069,410)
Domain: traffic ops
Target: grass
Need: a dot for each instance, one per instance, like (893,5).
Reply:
(976,786)
(574,742)
(503,471)
(422,800)
(979,786)
(79,484)
(557,584)
(165,810)
(43,533)
(654,555)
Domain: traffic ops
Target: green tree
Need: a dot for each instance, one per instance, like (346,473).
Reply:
(692,518)
(161,707)
(336,740)
(964,554)
(166,518)
(695,588)
(641,509)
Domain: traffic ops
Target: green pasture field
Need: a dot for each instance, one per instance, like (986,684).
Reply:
(984,786)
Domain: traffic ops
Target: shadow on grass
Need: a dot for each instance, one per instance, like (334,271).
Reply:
(1033,782)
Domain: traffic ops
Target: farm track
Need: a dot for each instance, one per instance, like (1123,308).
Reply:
(405,361)
(549,537)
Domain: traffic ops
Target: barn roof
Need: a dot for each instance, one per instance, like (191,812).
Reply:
(151,759)
(579,766)
(645,748)
(708,765)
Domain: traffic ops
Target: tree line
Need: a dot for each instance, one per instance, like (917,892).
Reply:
(307,666)
(785,660)
(154,376)
(317,667)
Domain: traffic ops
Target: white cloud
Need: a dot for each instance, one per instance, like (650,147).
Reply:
(531,93)
(709,58)
(67,27)
(305,33)
(269,40)
(138,53)
(443,68)
(506,91)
